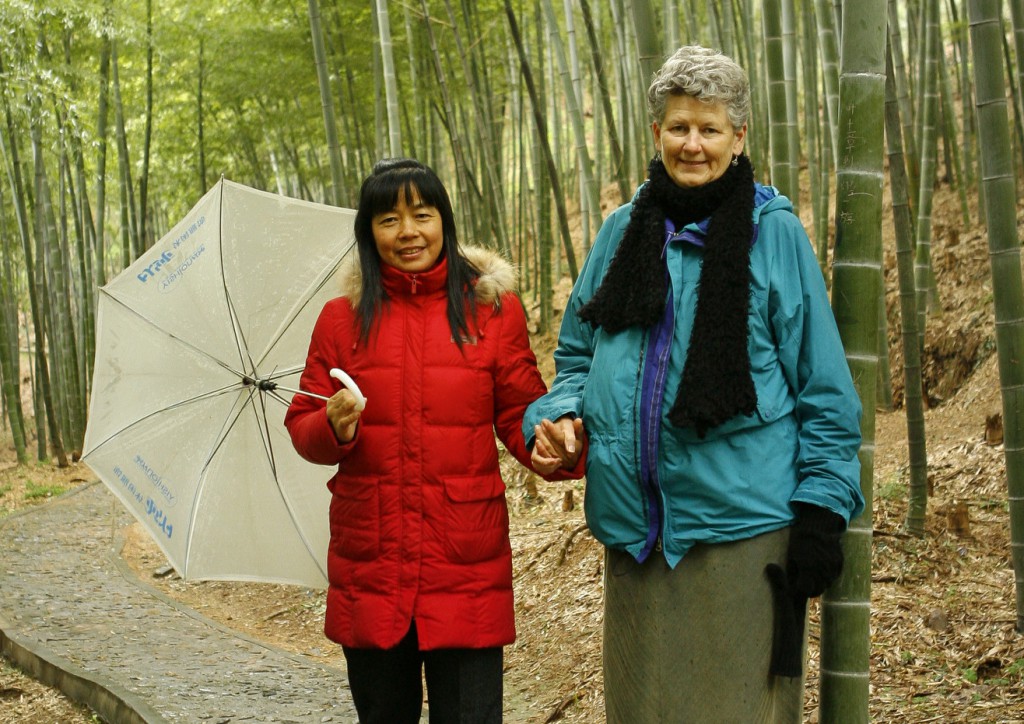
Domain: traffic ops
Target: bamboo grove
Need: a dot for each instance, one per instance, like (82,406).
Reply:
(118,115)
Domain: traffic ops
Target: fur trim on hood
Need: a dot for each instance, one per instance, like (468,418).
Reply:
(497,275)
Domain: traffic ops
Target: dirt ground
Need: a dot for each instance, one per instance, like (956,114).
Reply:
(944,648)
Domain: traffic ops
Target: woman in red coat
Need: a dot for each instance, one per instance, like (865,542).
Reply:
(420,565)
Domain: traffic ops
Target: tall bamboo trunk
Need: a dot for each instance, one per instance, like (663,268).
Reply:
(102,115)
(924,277)
(997,175)
(541,126)
(592,202)
(617,159)
(778,114)
(917,505)
(147,139)
(390,82)
(846,606)
(326,103)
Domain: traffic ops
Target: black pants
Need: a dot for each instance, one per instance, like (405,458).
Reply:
(463,685)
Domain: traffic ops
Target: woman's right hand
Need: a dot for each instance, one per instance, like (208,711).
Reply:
(557,444)
(343,415)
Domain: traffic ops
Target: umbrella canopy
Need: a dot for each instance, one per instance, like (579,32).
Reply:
(200,344)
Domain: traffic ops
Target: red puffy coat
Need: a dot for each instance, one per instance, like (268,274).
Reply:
(419,523)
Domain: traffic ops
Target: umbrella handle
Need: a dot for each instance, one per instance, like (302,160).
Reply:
(351,385)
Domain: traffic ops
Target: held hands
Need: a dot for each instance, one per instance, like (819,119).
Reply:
(343,411)
(557,444)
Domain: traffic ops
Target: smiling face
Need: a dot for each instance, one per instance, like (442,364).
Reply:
(409,237)
(696,140)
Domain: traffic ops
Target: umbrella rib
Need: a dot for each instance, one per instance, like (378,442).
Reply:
(221,437)
(268,448)
(180,403)
(309,296)
(240,344)
(176,338)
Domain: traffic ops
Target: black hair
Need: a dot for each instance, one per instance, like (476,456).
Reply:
(378,194)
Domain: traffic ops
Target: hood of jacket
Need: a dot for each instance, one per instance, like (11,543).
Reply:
(498,276)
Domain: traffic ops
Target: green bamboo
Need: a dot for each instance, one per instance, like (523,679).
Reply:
(789,59)
(592,204)
(650,53)
(883,387)
(390,83)
(997,176)
(778,113)
(10,357)
(145,238)
(489,147)
(812,131)
(1017,18)
(670,21)
(454,135)
(99,267)
(728,32)
(615,148)
(906,108)
(758,136)
(41,217)
(923,273)
(200,125)
(129,232)
(917,503)
(828,46)
(541,126)
(846,606)
(414,139)
(588,178)
(327,103)
(969,130)
(951,132)
(1018,124)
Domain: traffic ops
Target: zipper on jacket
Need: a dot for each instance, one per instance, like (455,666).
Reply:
(415,281)
(652,394)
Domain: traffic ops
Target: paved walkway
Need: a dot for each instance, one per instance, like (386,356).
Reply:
(74,616)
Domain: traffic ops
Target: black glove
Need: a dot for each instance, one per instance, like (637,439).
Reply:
(815,557)
(788,615)
(813,561)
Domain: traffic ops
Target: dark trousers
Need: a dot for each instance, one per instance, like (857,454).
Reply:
(463,685)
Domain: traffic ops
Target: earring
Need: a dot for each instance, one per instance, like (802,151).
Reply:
(735,161)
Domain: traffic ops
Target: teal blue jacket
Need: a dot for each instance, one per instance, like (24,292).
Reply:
(739,480)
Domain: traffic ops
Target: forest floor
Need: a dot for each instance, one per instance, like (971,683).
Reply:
(943,640)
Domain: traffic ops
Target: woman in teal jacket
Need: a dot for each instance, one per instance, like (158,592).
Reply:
(701,354)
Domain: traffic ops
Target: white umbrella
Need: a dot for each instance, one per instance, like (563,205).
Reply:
(200,344)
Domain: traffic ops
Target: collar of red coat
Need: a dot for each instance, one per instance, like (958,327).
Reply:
(400,283)
(497,276)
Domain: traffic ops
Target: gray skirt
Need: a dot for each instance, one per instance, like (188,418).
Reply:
(693,645)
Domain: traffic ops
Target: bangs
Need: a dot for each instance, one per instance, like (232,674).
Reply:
(382,193)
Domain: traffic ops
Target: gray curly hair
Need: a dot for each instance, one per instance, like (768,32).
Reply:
(705,74)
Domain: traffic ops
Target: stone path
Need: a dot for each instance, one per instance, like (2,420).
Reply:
(74,616)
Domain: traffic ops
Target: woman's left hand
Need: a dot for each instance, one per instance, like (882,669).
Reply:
(343,413)
(557,445)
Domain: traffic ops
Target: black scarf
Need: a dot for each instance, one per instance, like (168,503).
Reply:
(716,383)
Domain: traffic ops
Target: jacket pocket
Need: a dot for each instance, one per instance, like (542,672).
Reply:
(614,502)
(476,518)
(355,519)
